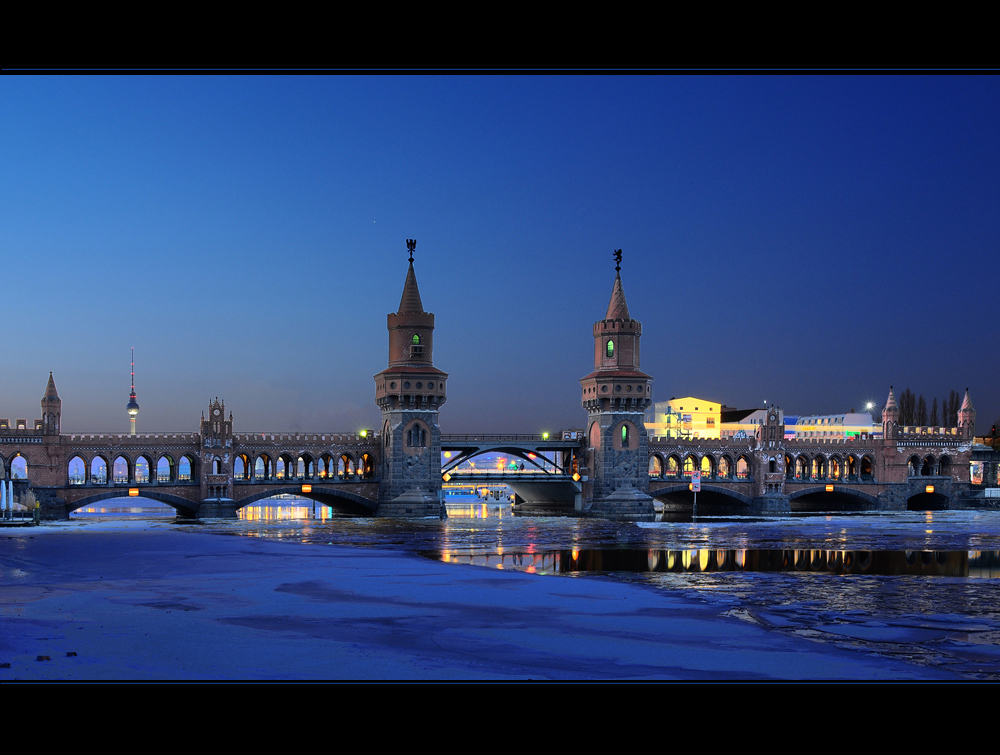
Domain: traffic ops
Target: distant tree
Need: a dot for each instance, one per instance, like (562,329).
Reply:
(933,420)
(954,404)
(907,407)
(921,411)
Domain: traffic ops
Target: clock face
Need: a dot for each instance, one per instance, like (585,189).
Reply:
(216,412)
(772,417)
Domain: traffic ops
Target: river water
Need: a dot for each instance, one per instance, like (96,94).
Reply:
(920,586)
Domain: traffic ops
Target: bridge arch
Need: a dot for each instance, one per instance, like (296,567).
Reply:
(343,500)
(182,505)
(721,493)
(845,496)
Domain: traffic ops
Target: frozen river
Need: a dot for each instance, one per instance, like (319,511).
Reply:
(919,587)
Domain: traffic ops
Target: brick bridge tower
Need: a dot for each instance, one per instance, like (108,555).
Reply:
(409,392)
(216,454)
(51,409)
(615,396)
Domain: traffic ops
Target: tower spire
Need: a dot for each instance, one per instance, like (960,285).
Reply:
(133,407)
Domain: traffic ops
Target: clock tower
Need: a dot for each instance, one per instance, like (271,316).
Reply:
(410,391)
(615,396)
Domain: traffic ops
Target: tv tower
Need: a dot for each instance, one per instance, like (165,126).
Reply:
(133,407)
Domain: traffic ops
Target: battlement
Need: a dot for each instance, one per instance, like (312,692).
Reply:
(118,437)
(318,438)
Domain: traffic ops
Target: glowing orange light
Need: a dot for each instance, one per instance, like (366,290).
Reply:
(446,477)
(576,477)
(929,489)
(133,492)
(829,488)
(307,488)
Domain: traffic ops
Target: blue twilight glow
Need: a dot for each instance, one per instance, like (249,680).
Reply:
(813,239)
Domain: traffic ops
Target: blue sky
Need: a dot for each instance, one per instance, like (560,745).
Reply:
(805,240)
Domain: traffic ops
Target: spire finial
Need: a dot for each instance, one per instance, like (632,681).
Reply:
(618,260)
(411,244)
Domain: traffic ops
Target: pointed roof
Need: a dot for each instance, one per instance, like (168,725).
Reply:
(410,301)
(890,403)
(617,307)
(966,403)
(50,389)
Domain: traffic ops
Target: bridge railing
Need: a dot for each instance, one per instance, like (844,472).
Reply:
(513,438)
(325,438)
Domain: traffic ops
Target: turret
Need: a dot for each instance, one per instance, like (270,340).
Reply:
(890,416)
(51,409)
(409,392)
(967,417)
(615,396)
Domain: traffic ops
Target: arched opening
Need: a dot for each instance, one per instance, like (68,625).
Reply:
(367,466)
(98,471)
(742,468)
(690,464)
(944,466)
(927,467)
(325,467)
(707,467)
(18,468)
(611,349)
(185,469)
(165,469)
(867,469)
(241,467)
(77,471)
(927,502)
(725,468)
(852,467)
(673,467)
(306,467)
(913,466)
(835,467)
(284,467)
(142,469)
(802,468)
(819,468)
(120,470)
(345,467)
(655,466)
(263,467)
(217,466)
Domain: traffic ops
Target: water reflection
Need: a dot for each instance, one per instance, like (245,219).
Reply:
(886,563)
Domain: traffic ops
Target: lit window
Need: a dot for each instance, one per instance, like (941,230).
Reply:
(611,348)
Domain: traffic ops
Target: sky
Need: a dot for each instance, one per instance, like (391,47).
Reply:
(804,240)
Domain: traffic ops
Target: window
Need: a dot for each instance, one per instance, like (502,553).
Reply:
(624,435)
(611,348)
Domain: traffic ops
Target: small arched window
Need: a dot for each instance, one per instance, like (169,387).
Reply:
(416,348)
(611,348)
(416,340)
(624,434)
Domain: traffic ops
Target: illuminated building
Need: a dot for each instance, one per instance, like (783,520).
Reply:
(684,418)
(831,426)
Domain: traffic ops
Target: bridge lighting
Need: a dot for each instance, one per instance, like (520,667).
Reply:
(446,477)
(364,433)
(576,477)
(307,488)
(829,488)
(929,489)
(133,492)
(545,436)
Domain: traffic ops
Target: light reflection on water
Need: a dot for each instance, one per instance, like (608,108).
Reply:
(943,619)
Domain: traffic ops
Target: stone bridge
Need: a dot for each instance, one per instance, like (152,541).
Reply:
(612,469)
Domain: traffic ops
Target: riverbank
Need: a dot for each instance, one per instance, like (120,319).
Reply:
(146,600)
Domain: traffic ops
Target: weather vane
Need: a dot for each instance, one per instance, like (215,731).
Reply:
(411,244)
(618,260)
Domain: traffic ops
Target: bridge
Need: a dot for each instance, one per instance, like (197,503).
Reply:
(612,469)
(546,481)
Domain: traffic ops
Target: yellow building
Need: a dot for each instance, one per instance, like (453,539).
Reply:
(684,418)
